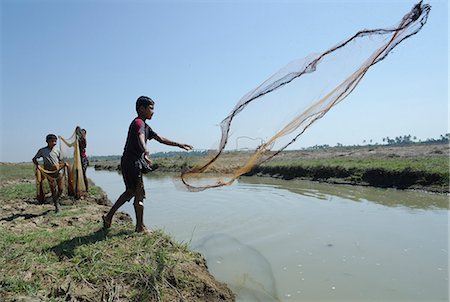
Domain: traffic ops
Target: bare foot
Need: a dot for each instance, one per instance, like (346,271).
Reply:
(143,229)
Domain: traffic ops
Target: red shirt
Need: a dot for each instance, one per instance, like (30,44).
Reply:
(133,146)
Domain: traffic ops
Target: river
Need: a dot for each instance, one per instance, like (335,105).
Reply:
(276,240)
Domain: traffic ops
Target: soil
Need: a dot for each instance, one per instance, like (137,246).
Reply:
(377,151)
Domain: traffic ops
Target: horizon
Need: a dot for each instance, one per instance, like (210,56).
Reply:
(443,139)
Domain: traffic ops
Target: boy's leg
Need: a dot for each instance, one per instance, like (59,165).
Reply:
(52,184)
(85,181)
(85,164)
(60,182)
(41,193)
(139,207)
(126,196)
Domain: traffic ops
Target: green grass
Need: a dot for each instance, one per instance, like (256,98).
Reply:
(91,256)
(18,191)
(438,165)
(94,190)
(16,171)
(43,252)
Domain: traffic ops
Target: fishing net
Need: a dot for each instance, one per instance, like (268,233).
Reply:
(71,167)
(71,155)
(275,118)
(53,176)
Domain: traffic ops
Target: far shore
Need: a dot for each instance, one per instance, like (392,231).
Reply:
(411,167)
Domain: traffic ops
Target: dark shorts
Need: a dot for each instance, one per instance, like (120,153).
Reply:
(132,175)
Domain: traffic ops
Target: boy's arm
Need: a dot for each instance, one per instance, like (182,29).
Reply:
(61,160)
(143,144)
(168,142)
(35,162)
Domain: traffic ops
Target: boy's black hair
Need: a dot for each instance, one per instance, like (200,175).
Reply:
(143,101)
(49,137)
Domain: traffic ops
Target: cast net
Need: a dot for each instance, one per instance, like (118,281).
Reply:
(53,175)
(283,107)
(71,155)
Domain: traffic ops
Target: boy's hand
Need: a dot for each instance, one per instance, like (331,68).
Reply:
(186,147)
(148,160)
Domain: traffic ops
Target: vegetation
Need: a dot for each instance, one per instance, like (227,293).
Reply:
(406,139)
(425,174)
(170,154)
(432,165)
(76,256)
(69,257)
(401,140)
(11,172)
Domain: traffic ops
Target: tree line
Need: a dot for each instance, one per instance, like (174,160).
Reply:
(397,141)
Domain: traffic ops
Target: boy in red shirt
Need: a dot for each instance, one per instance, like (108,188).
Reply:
(135,150)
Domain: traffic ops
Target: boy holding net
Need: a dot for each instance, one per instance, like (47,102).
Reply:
(135,156)
(53,170)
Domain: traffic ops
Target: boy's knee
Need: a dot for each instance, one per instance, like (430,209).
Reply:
(139,197)
(129,194)
(138,202)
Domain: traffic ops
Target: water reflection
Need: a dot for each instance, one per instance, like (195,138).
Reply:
(386,197)
(251,278)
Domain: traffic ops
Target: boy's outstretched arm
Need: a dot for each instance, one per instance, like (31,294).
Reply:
(168,142)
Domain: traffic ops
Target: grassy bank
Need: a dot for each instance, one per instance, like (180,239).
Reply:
(69,257)
(395,173)
(424,167)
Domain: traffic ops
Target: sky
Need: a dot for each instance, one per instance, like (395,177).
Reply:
(67,63)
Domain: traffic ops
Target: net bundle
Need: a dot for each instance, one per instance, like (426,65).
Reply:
(71,155)
(53,176)
(272,116)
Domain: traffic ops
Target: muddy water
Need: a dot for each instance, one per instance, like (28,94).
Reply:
(274,240)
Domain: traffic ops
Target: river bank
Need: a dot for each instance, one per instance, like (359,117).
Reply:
(69,257)
(414,167)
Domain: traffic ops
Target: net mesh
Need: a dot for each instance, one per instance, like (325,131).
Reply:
(70,154)
(52,176)
(321,80)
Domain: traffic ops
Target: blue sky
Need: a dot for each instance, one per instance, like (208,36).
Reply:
(68,63)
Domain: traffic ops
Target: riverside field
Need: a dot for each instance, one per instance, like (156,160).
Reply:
(69,257)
